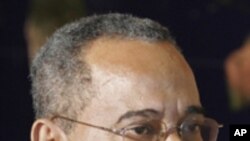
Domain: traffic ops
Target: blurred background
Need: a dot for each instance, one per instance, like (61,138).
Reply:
(213,34)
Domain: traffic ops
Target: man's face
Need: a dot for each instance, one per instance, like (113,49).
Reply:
(135,81)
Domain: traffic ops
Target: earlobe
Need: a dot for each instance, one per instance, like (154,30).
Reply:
(45,130)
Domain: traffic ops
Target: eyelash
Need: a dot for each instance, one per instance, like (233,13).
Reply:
(140,129)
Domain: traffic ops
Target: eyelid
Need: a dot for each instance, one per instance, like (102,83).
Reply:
(198,116)
(143,114)
(151,123)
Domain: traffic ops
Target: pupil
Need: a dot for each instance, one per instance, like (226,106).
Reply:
(190,128)
(140,130)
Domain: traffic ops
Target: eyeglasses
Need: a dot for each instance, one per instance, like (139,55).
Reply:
(191,128)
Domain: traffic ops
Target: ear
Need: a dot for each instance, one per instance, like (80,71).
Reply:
(45,130)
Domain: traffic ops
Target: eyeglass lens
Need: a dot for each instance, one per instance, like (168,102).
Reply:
(191,129)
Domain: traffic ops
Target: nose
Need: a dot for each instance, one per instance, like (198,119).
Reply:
(173,137)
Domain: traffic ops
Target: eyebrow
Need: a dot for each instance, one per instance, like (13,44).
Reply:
(195,110)
(152,112)
(141,113)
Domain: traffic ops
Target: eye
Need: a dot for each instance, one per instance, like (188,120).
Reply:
(191,128)
(143,130)
(191,132)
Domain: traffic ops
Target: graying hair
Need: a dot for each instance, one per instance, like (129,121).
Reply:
(61,82)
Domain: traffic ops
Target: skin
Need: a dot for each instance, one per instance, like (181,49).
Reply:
(129,76)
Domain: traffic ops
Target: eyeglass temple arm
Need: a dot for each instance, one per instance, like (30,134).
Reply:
(114,131)
(84,123)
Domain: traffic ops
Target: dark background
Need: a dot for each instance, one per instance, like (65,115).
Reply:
(206,30)
(15,102)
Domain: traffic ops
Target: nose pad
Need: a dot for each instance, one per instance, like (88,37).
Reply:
(173,137)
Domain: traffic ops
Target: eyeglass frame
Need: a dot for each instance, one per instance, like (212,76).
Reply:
(119,131)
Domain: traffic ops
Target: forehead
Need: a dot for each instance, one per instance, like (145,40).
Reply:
(138,74)
(141,57)
(138,59)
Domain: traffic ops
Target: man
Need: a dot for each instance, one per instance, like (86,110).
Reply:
(116,78)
